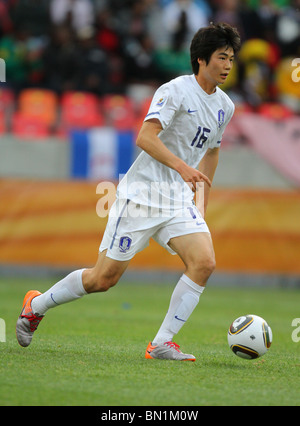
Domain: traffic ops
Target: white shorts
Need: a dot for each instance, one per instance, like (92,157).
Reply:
(130,227)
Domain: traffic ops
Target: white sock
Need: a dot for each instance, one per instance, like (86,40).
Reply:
(184,299)
(68,289)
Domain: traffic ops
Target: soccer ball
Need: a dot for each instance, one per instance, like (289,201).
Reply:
(249,337)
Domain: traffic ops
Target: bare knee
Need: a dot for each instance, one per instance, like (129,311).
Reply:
(105,274)
(201,269)
(99,282)
(209,267)
(105,282)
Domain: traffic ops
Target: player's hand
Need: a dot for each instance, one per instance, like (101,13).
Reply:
(193,177)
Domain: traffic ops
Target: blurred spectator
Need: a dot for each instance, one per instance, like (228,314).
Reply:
(104,46)
(181,32)
(137,21)
(31,16)
(13,50)
(239,15)
(93,74)
(130,17)
(61,61)
(23,57)
(268,14)
(255,59)
(6,24)
(259,54)
(180,19)
(107,32)
(276,3)
(35,48)
(109,39)
(77,13)
(288,29)
(140,65)
(30,32)
(204,5)
(137,45)
(155,24)
(184,17)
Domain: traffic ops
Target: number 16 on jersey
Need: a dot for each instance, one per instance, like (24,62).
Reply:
(201,137)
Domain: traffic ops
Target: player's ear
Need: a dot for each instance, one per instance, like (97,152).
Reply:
(201,62)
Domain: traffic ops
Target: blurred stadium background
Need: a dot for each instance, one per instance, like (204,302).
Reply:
(79,78)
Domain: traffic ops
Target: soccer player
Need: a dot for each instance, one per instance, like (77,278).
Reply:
(180,141)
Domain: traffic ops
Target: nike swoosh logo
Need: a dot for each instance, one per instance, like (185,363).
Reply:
(179,319)
(51,295)
(190,111)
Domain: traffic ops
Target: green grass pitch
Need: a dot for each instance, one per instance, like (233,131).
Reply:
(91,352)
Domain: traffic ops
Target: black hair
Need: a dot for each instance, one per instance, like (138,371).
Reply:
(209,39)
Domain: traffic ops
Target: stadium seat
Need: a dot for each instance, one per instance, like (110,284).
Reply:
(38,104)
(119,112)
(80,110)
(7,99)
(36,113)
(242,108)
(274,110)
(7,104)
(24,126)
(3,126)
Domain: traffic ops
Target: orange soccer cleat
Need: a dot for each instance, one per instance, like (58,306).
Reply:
(28,321)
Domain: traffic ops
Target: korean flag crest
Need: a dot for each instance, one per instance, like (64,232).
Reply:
(125,244)
(221,117)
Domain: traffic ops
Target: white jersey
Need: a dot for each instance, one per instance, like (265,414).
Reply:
(192,121)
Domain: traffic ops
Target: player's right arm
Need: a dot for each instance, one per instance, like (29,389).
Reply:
(149,141)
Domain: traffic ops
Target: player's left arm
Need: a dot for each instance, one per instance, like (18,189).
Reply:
(207,166)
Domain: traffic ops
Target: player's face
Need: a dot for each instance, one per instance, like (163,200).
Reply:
(219,66)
